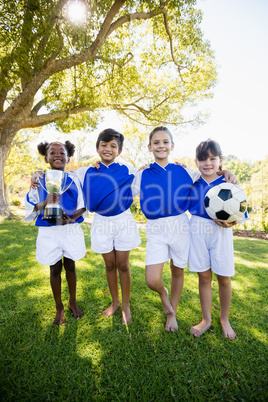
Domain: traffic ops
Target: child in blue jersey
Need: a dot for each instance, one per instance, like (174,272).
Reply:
(62,238)
(211,245)
(164,197)
(108,192)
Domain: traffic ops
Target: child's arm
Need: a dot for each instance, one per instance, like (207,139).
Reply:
(51,199)
(31,199)
(228,175)
(81,205)
(70,219)
(79,173)
(225,224)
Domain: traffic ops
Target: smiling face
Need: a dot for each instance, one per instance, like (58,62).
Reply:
(108,151)
(57,156)
(209,167)
(161,146)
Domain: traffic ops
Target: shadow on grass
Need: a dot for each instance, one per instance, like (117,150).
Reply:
(96,358)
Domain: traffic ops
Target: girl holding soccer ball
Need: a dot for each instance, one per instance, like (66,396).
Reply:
(211,245)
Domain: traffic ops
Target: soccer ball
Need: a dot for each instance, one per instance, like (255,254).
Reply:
(226,202)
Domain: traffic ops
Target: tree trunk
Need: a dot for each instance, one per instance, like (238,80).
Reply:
(6,139)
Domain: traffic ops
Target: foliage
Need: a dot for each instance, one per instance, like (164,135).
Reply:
(94,70)
(21,160)
(99,359)
(145,59)
(241,169)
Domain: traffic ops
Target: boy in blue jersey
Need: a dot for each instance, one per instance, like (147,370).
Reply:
(108,192)
(211,244)
(62,238)
(164,192)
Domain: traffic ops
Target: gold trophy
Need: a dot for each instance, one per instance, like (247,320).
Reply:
(55,182)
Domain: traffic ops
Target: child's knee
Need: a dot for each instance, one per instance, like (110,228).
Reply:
(123,267)
(110,266)
(177,272)
(152,283)
(56,269)
(70,267)
(224,280)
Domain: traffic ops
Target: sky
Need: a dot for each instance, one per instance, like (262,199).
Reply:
(238,33)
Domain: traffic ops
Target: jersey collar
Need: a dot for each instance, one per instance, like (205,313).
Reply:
(159,167)
(214,182)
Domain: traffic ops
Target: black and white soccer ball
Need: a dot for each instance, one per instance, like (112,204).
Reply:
(226,202)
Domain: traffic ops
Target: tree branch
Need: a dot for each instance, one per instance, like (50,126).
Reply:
(132,17)
(43,119)
(171,43)
(53,18)
(114,62)
(37,107)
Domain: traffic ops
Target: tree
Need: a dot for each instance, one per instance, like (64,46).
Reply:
(242,169)
(145,59)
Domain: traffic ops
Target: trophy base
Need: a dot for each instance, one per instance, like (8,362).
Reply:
(52,213)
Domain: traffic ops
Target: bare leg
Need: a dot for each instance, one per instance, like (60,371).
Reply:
(177,278)
(205,294)
(225,293)
(111,274)
(69,266)
(154,281)
(55,282)
(122,263)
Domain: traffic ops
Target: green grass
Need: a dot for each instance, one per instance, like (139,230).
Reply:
(99,359)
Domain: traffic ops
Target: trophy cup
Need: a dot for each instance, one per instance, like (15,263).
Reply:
(55,182)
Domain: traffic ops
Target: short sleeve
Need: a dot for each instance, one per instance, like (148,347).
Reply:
(79,173)
(31,199)
(80,199)
(194,174)
(136,184)
(131,168)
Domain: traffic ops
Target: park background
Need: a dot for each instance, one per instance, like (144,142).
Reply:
(238,33)
(100,359)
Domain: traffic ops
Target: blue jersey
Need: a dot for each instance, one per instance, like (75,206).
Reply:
(165,191)
(197,197)
(198,193)
(70,200)
(107,190)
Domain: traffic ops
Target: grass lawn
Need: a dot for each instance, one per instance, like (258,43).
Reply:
(99,359)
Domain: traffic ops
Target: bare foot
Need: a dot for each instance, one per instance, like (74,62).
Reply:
(126,315)
(171,325)
(59,319)
(199,329)
(168,309)
(75,310)
(227,330)
(110,310)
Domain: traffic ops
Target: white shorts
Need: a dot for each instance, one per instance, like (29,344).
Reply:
(59,241)
(168,238)
(211,247)
(119,232)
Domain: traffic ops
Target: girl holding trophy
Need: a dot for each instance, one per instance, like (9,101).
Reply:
(58,205)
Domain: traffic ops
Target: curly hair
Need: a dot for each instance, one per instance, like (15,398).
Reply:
(43,147)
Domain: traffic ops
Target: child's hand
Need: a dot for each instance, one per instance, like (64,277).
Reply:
(143,167)
(229,176)
(181,164)
(97,165)
(34,179)
(225,224)
(52,199)
(66,219)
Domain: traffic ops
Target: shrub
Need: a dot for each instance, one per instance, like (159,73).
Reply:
(16,202)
